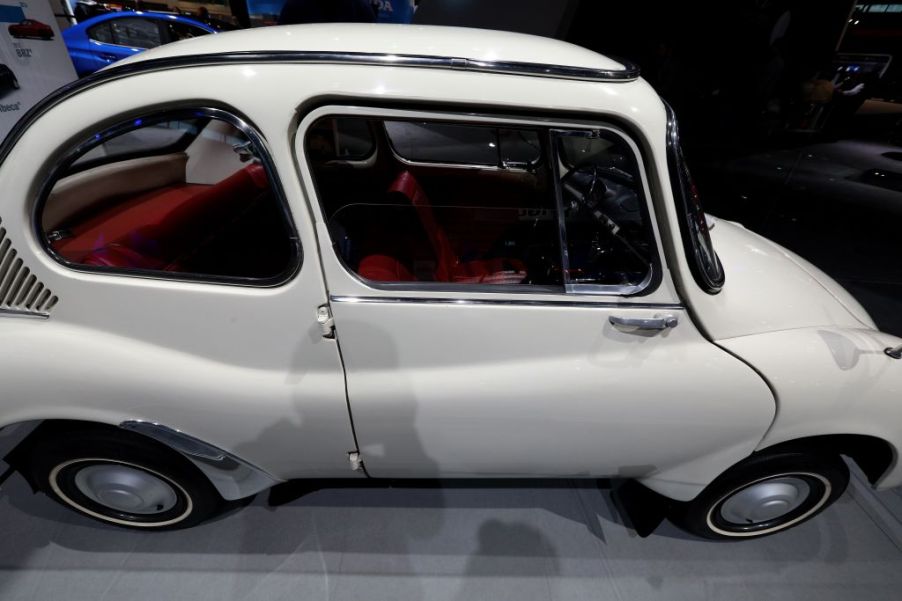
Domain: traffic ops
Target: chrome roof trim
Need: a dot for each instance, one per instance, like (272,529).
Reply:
(630,72)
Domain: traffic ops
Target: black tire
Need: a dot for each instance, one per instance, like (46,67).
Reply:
(816,480)
(63,467)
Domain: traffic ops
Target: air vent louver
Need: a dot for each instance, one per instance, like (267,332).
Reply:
(20,291)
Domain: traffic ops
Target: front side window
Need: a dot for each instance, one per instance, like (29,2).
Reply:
(442,203)
(183,194)
(608,239)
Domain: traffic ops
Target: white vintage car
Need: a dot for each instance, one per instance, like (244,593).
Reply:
(407,252)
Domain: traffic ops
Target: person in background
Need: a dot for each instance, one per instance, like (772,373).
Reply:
(327,11)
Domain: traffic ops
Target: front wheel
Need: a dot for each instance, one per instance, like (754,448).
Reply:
(121,479)
(764,495)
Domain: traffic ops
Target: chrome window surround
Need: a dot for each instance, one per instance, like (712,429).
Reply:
(231,476)
(649,285)
(125,125)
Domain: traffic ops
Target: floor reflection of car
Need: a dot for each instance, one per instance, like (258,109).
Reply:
(29,28)
(105,39)
(8,80)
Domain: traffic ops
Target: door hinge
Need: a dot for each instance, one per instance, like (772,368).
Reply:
(356,461)
(325,321)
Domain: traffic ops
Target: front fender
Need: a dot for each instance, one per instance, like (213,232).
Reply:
(830,380)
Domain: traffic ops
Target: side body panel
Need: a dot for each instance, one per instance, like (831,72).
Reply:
(460,390)
(245,369)
(830,380)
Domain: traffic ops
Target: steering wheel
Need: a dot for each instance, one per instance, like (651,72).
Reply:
(585,184)
(585,189)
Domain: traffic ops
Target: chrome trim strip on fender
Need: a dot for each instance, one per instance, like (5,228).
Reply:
(231,476)
(502,301)
(18,313)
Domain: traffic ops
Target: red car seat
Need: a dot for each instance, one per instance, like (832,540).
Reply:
(153,230)
(448,268)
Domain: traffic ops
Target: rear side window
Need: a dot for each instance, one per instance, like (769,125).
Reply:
(463,144)
(184,194)
(176,31)
(136,33)
(455,204)
(101,33)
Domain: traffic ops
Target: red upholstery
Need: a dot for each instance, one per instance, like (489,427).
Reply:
(116,255)
(407,185)
(449,268)
(153,229)
(381,268)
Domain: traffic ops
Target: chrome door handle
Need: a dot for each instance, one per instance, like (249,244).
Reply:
(662,322)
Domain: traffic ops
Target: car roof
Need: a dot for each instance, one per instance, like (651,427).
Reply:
(478,45)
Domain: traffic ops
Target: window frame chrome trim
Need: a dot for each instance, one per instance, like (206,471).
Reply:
(228,115)
(363,108)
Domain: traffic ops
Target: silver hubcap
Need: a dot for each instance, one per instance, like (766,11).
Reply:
(126,489)
(765,501)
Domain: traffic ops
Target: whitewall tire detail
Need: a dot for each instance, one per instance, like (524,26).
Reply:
(124,492)
(773,503)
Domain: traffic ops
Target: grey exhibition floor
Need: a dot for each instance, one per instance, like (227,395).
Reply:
(539,540)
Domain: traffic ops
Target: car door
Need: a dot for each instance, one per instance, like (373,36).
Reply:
(502,303)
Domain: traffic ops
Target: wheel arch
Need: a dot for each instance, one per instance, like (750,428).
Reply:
(231,476)
(875,456)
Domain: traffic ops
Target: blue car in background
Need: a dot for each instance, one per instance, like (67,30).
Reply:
(107,38)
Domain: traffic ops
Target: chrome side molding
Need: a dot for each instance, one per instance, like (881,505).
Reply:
(231,476)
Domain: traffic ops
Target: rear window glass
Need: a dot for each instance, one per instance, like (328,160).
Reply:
(176,195)
(463,144)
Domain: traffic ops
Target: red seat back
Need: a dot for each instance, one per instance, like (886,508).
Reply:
(407,185)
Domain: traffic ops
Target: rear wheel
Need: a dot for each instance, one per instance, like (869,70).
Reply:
(765,495)
(121,479)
